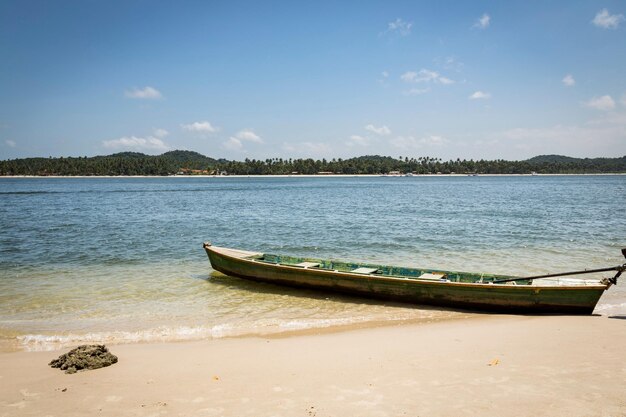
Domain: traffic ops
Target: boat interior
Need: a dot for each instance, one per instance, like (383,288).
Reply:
(383,270)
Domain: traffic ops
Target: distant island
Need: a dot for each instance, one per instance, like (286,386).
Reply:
(193,163)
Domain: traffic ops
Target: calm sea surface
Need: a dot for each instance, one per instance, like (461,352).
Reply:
(121,259)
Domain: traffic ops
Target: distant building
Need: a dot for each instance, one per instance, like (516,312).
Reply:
(188,171)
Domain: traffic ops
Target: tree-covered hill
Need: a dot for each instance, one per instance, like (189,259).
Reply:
(123,163)
(134,155)
(189,162)
(566,164)
(189,159)
(540,159)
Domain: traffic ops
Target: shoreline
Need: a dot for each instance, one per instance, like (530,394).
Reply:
(494,365)
(13,345)
(315,176)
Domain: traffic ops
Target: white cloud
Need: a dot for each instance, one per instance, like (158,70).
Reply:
(356,140)
(601,103)
(568,80)
(236,143)
(203,127)
(249,135)
(609,119)
(482,22)
(385,74)
(449,63)
(409,76)
(479,95)
(425,76)
(410,142)
(623,99)
(10,143)
(160,133)
(400,27)
(233,144)
(381,131)
(149,93)
(601,137)
(606,20)
(416,91)
(135,143)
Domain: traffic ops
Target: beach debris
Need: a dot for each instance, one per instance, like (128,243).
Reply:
(494,362)
(84,357)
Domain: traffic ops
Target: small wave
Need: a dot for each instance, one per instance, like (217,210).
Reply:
(320,323)
(40,342)
(263,327)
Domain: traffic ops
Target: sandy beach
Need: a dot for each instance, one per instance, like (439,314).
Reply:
(488,366)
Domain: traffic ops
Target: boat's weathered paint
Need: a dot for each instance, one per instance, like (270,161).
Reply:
(463,294)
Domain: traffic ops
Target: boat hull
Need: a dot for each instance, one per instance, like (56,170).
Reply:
(484,297)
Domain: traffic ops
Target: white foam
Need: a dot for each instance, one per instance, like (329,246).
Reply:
(320,323)
(40,342)
(240,327)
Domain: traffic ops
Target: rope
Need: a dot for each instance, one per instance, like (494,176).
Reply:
(619,269)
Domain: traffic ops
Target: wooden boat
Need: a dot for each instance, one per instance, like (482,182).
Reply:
(460,290)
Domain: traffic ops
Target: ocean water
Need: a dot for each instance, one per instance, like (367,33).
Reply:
(121,260)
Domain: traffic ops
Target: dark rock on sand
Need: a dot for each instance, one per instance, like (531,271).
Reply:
(84,357)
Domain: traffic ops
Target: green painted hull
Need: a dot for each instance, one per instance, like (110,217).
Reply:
(404,284)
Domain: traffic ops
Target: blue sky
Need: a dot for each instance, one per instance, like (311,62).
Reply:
(316,79)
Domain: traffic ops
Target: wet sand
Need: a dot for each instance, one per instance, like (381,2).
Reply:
(487,366)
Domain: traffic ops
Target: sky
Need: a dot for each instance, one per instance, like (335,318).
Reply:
(319,79)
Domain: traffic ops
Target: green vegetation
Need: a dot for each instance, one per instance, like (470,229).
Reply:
(124,163)
(188,162)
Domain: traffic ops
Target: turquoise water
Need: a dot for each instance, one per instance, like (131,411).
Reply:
(121,259)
